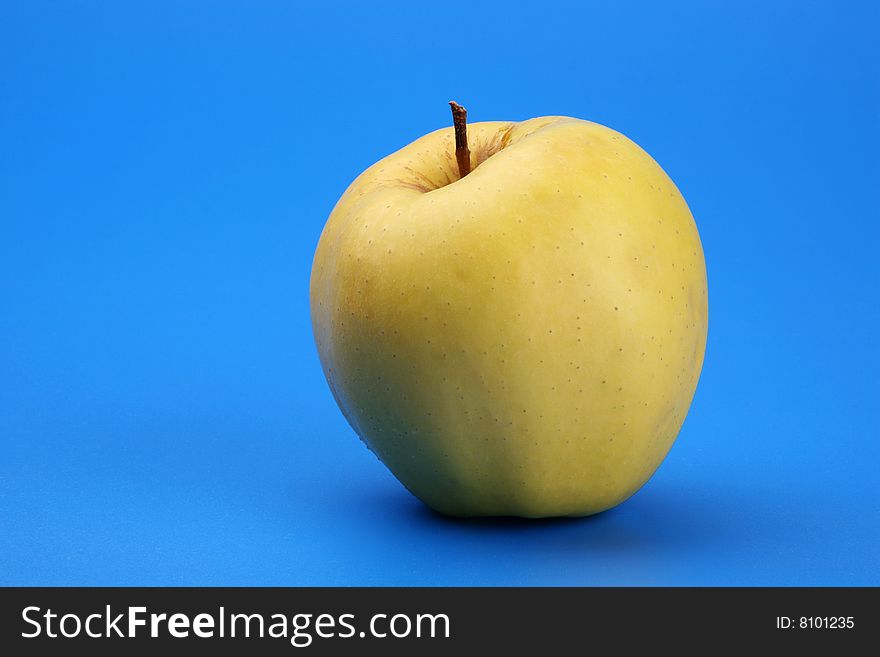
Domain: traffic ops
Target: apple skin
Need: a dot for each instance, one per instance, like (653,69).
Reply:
(525,340)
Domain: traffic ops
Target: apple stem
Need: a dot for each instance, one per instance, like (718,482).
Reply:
(462,152)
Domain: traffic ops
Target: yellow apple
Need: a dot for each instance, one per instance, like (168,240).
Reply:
(524,340)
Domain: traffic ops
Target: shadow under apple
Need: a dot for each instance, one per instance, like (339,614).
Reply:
(662,516)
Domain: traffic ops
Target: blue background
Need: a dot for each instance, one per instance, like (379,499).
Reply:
(165,172)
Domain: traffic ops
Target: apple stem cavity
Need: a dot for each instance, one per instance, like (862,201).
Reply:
(462,152)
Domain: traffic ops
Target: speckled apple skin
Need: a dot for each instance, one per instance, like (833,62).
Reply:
(526,340)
